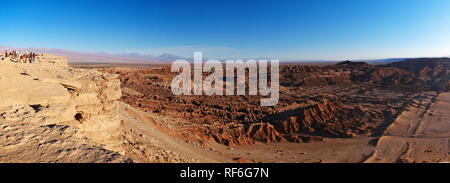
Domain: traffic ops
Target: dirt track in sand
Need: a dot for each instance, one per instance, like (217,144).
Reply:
(392,111)
(153,144)
(419,134)
(156,127)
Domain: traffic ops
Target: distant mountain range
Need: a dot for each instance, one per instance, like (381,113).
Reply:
(99,57)
(330,62)
(383,61)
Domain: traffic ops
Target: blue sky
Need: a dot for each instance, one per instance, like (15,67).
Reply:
(282,29)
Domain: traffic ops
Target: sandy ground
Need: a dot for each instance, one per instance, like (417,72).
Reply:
(329,150)
(139,122)
(419,134)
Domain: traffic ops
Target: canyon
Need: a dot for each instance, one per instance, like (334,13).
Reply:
(51,111)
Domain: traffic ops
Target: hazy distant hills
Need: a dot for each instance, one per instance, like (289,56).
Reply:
(331,62)
(98,57)
(384,61)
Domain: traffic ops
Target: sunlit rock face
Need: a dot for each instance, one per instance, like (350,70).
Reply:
(50,93)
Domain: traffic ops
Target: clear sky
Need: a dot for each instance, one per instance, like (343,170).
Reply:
(287,30)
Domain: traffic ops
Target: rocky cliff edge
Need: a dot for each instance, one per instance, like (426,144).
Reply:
(50,112)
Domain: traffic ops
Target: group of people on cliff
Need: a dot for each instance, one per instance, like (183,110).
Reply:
(28,57)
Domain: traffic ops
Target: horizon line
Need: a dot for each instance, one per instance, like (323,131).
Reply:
(133,55)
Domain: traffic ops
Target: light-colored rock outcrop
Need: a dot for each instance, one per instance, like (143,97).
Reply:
(49,92)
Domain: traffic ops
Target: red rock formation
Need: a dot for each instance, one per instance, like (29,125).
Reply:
(329,118)
(263,132)
(231,136)
(235,120)
(289,126)
(390,75)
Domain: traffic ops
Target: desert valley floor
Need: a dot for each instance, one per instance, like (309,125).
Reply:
(343,112)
